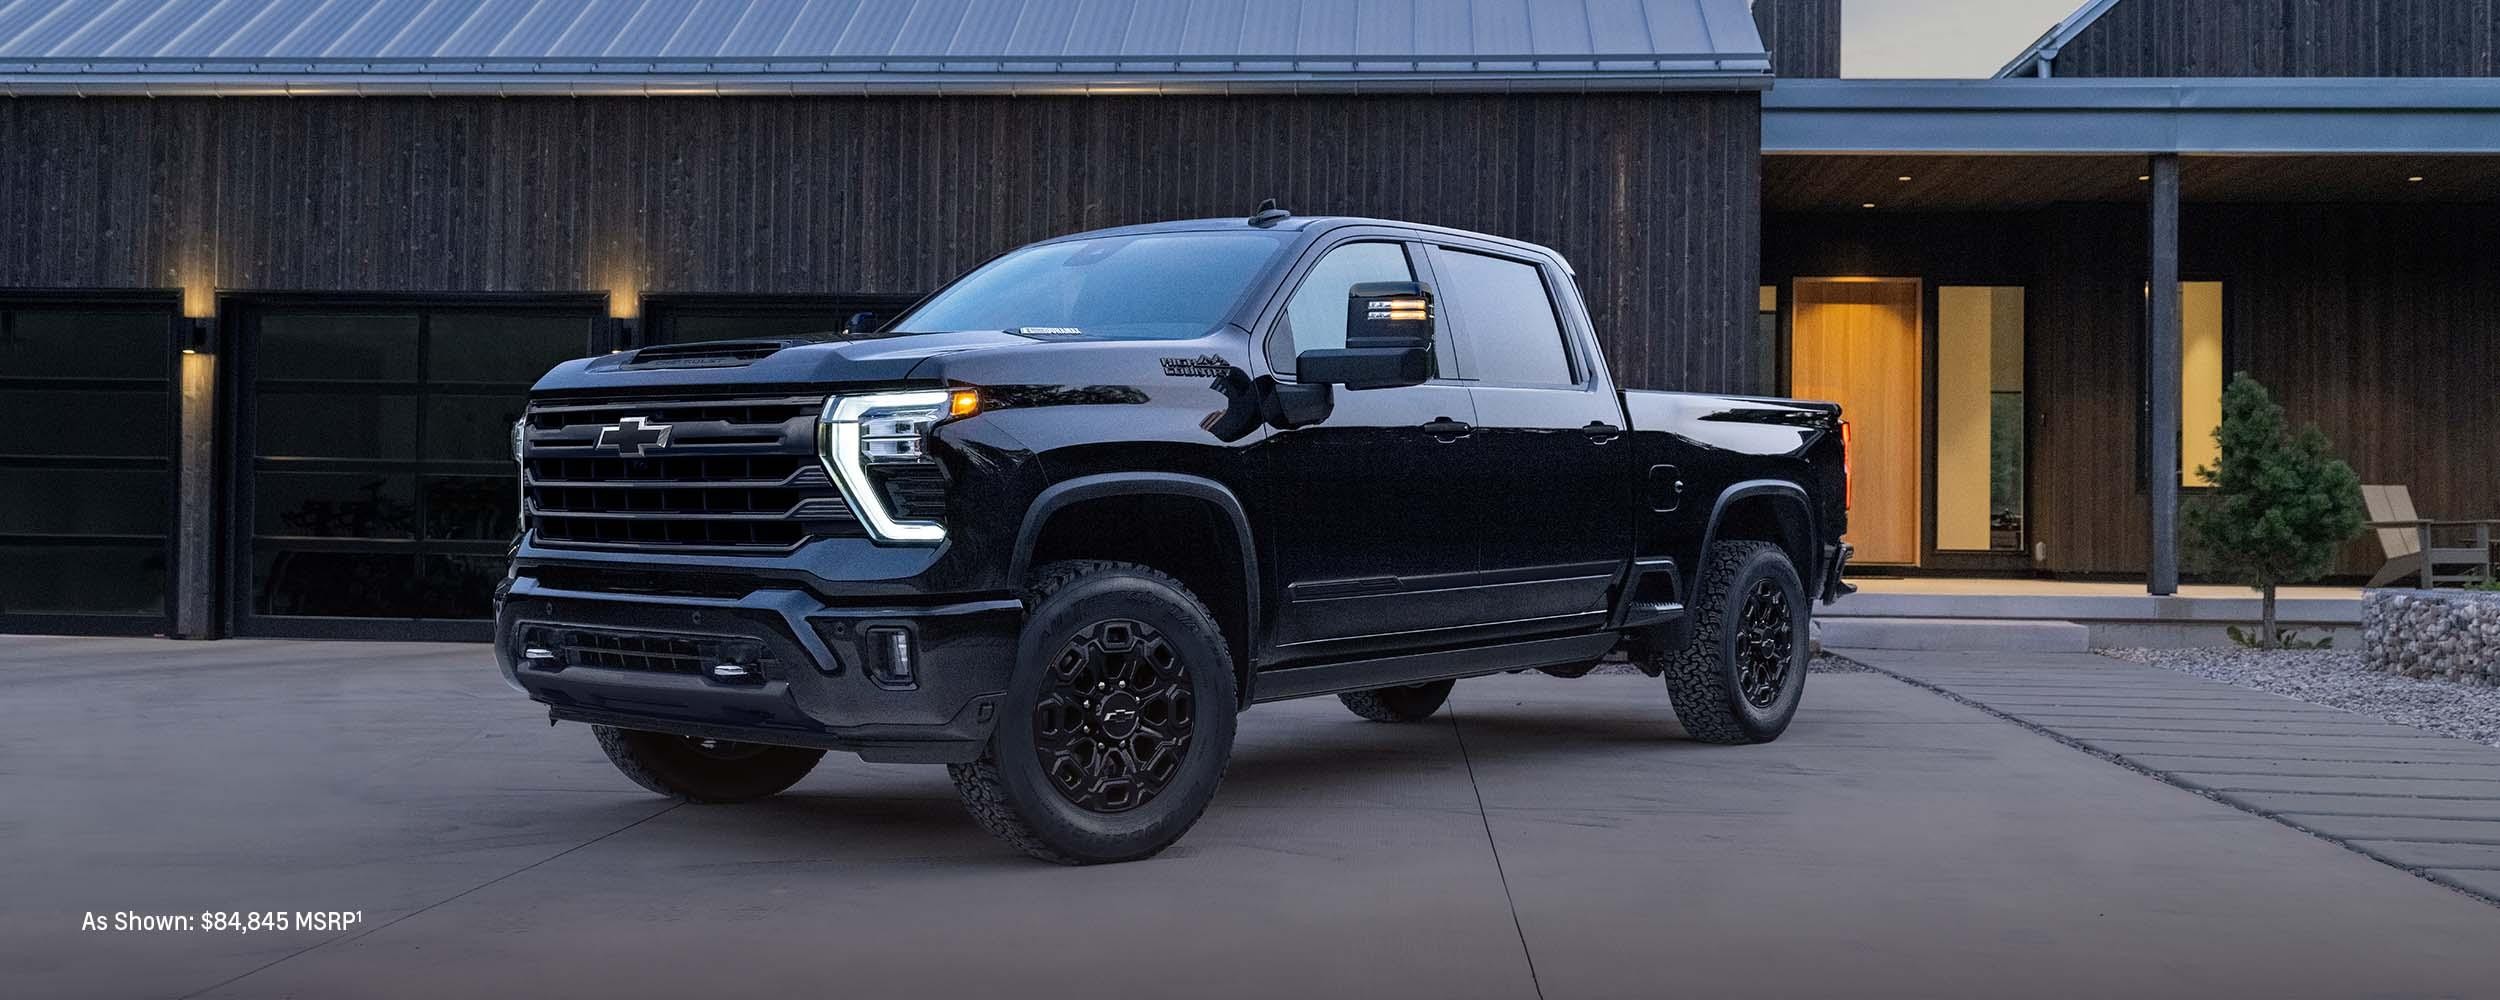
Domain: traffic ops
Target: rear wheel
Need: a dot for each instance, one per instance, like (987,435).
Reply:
(1741,677)
(698,770)
(1412,703)
(1117,724)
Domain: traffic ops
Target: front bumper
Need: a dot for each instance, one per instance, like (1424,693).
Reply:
(809,672)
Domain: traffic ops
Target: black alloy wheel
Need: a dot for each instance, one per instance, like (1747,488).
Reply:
(1115,716)
(1765,644)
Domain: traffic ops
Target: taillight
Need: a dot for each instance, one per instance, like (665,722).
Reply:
(1848,476)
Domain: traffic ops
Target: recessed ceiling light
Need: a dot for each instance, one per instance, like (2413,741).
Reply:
(2143,177)
(1867,205)
(1904,178)
(2415,179)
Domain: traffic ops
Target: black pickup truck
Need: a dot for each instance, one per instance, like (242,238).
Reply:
(1059,523)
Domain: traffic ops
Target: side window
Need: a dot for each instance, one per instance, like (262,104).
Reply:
(1506,317)
(1315,317)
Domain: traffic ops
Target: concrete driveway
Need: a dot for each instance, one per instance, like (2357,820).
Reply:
(1546,838)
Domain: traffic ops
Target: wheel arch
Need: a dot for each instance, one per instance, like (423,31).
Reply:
(1056,527)
(1767,510)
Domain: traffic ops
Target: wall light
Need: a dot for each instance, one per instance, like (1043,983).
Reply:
(198,334)
(2415,179)
(2143,177)
(1867,205)
(1904,178)
(624,303)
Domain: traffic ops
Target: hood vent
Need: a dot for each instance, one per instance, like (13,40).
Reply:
(717,354)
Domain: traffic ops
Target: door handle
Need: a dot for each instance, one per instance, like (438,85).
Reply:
(1446,430)
(1601,431)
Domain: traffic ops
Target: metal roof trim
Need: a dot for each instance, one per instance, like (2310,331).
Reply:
(2056,40)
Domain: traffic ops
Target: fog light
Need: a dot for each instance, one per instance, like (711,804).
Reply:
(891,662)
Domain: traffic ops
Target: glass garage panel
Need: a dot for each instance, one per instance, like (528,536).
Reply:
(86,467)
(382,480)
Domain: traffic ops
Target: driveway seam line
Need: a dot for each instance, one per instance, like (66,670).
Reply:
(427,908)
(2122,761)
(1458,732)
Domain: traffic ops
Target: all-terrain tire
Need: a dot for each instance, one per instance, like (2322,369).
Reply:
(1060,811)
(704,771)
(1707,679)
(1412,703)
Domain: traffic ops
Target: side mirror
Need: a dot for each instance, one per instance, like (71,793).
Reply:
(1388,340)
(860,322)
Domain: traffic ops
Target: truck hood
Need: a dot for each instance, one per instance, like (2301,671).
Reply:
(806,360)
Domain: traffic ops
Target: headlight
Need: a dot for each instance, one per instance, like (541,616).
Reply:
(521,512)
(877,449)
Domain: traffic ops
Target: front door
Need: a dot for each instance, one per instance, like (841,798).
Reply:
(1369,511)
(1857,342)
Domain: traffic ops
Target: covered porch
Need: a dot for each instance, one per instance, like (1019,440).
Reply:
(2029,295)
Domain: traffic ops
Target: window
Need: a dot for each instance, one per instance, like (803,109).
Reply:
(1506,317)
(1155,286)
(2203,368)
(1315,317)
(381,470)
(1766,342)
(1979,419)
(2200,381)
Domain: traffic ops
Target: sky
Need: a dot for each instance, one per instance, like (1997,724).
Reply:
(1941,38)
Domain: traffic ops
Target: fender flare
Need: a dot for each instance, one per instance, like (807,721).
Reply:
(1070,492)
(1787,494)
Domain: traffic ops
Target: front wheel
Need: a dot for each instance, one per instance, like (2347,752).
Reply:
(1117,724)
(1741,677)
(699,770)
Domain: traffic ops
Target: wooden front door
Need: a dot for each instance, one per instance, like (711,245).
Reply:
(1857,342)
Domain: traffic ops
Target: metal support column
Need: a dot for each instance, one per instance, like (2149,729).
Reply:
(2162,334)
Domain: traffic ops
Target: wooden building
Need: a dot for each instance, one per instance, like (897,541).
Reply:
(272,283)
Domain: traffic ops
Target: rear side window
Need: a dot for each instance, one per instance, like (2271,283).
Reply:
(1506,318)
(1315,316)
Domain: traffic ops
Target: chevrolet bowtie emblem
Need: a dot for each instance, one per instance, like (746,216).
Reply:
(633,434)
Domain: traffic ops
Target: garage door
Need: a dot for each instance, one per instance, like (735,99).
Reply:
(86,466)
(381,497)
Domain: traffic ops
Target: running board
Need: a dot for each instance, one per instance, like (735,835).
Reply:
(1417,668)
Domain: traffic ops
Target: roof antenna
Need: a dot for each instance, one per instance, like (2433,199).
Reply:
(1268,214)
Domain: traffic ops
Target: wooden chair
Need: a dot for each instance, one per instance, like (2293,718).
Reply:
(2407,539)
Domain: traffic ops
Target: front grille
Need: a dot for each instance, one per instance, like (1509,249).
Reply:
(563,647)
(654,654)
(730,474)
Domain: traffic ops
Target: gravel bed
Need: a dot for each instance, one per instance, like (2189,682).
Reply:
(2337,679)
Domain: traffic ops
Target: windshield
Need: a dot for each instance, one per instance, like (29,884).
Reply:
(1153,286)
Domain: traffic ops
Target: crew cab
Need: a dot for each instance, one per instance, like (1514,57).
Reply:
(1058,525)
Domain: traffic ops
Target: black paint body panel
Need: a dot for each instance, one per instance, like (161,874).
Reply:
(1368,540)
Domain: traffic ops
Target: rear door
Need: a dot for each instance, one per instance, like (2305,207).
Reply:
(1370,513)
(1550,437)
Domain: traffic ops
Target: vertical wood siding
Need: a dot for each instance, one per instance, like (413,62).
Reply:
(2378,323)
(1803,36)
(1654,198)
(2392,38)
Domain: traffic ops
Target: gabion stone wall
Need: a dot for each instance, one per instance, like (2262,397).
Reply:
(2447,634)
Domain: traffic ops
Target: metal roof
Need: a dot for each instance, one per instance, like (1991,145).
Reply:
(2134,116)
(164,47)
(2041,58)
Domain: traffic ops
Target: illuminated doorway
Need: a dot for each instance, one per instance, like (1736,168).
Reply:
(1858,342)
